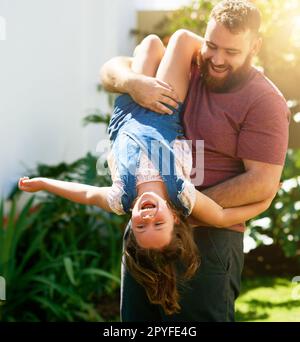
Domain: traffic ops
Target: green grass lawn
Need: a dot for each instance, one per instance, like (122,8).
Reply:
(268,300)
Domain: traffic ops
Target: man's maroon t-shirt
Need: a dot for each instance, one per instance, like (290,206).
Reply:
(250,122)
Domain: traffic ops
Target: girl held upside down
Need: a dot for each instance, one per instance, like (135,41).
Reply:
(150,164)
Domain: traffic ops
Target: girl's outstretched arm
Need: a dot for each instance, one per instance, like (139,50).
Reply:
(208,211)
(75,192)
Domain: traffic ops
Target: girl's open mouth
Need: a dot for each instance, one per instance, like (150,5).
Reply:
(148,205)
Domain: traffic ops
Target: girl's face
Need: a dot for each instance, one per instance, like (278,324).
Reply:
(152,221)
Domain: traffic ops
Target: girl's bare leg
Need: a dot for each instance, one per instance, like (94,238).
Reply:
(147,56)
(175,65)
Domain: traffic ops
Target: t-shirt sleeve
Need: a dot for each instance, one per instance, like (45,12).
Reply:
(264,133)
(114,198)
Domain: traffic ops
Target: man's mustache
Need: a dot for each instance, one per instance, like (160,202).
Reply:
(220,66)
(206,62)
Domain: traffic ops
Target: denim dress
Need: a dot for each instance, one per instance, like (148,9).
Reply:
(133,129)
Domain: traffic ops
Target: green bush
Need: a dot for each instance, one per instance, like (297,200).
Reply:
(283,215)
(61,260)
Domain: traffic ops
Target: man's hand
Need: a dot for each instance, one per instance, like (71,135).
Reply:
(116,76)
(30,185)
(151,93)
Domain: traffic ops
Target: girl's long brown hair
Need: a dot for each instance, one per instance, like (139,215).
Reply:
(158,271)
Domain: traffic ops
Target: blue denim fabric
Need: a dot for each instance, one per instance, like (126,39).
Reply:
(133,129)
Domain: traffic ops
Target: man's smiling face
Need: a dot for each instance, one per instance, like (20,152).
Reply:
(226,56)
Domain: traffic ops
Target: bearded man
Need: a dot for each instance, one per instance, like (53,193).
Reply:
(243,119)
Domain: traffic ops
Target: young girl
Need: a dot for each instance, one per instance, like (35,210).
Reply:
(150,165)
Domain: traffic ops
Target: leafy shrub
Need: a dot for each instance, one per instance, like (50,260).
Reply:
(60,259)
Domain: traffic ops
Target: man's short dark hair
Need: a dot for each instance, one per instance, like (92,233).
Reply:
(237,15)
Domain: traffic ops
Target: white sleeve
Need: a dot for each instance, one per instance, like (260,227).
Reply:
(188,196)
(114,198)
(184,164)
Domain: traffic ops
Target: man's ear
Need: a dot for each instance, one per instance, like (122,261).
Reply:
(256,46)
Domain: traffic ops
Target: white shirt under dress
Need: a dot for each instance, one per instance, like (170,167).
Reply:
(146,172)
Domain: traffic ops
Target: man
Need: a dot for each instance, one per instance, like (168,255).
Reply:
(243,120)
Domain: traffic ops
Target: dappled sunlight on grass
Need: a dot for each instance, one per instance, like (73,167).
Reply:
(268,300)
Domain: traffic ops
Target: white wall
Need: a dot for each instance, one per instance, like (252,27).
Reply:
(160,5)
(49,67)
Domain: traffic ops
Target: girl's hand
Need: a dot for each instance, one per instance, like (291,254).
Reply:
(30,185)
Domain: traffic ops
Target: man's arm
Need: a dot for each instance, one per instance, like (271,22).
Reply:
(116,76)
(208,211)
(259,182)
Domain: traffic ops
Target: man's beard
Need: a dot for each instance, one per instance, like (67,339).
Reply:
(230,81)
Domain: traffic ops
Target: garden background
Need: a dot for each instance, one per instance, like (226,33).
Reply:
(60,260)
